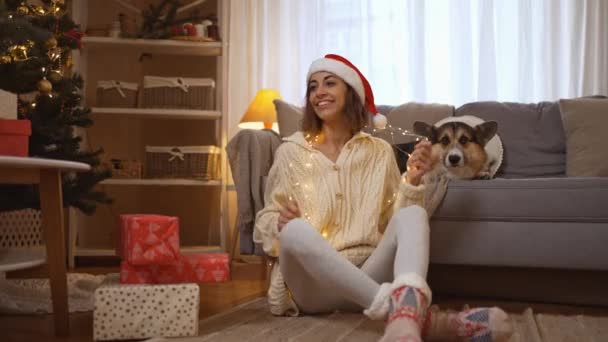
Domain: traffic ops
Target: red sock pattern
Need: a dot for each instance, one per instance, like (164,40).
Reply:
(406,302)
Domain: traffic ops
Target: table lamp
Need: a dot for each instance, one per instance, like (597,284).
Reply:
(261,113)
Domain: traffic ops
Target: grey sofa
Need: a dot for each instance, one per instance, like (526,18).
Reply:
(532,216)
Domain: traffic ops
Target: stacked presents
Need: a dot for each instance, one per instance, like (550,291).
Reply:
(14,133)
(158,293)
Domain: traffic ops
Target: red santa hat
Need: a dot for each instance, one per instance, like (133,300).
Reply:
(344,69)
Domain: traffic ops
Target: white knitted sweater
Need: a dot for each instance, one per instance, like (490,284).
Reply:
(349,201)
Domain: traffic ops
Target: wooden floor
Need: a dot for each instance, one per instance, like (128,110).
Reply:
(247,283)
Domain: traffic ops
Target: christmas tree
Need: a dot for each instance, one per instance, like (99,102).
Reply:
(36,42)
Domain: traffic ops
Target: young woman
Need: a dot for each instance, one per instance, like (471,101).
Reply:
(332,221)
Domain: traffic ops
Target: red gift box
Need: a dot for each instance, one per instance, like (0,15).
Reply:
(148,239)
(190,268)
(14,137)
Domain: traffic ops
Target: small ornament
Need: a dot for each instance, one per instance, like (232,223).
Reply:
(38,10)
(51,43)
(45,86)
(18,52)
(69,63)
(55,76)
(23,10)
(5,59)
(54,54)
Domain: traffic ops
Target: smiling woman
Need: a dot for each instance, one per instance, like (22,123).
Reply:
(331,221)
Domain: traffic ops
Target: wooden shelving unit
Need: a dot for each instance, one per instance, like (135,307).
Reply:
(160,113)
(123,133)
(167,47)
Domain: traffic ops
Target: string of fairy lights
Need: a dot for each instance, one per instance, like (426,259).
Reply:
(390,133)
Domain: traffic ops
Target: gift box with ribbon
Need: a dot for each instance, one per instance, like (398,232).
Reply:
(190,268)
(148,239)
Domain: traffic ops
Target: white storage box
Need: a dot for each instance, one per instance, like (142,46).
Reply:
(178,93)
(124,312)
(197,162)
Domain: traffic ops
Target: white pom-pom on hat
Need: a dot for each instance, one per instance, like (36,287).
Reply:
(348,72)
(380,121)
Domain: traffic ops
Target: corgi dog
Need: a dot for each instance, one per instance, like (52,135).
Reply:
(459,146)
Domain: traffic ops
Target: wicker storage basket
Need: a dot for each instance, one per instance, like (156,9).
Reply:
(117,94)
(198,162)
(124,168)
(178,93)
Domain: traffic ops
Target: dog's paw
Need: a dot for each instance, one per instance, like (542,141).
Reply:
(485,175)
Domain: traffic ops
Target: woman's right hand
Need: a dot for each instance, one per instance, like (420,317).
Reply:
(287,213)
(419,162)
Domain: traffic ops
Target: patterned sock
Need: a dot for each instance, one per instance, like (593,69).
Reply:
(472,325)
(407,307)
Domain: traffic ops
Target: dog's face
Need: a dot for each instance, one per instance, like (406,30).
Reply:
(458,147)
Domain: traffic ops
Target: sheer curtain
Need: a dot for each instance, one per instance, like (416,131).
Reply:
(448,51)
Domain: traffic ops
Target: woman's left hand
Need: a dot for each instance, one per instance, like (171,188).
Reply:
(288,213)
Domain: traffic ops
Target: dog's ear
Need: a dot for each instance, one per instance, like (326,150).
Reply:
(424,129)
(485,131)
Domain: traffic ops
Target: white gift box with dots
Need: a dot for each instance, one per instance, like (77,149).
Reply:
(125,312)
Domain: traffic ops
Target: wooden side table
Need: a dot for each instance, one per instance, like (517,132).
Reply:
(46,173)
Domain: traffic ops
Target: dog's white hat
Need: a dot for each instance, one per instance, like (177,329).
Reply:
(348,72)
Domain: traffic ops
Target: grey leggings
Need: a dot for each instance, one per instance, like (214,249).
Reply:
(322,280)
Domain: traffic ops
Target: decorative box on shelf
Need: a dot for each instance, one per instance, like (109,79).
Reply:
(125,312)
(14,137)
(178,93)
(124,168)
(197,162)
(117,94)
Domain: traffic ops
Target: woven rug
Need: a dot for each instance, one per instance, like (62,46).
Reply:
(253,322)
(33,296)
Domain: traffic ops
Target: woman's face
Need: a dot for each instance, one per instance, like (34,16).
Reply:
(327,95)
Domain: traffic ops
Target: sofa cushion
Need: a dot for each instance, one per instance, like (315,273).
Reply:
(405,115)
(585,121)
(535,222)
(532,135)
(566,199)
(289,118)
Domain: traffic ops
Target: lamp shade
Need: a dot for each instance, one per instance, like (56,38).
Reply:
(261,112)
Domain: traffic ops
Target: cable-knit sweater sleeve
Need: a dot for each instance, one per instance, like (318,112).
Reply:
(410,194)
(428,194)
(266,229)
